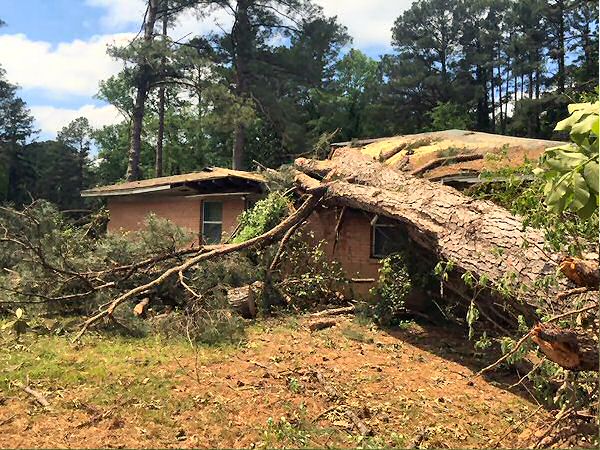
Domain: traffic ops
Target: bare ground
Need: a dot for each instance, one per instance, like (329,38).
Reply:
(284,387)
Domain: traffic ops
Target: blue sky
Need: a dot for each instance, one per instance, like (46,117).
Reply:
(55,50)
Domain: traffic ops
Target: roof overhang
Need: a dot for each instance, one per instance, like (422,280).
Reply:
(142,190)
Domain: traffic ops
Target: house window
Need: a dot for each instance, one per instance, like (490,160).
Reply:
(386,238)
(212,222)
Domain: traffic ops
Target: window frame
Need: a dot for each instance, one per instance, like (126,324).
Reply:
(374,228)
(211,222)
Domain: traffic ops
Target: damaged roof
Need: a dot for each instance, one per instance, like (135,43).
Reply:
(451,154)
(184,183)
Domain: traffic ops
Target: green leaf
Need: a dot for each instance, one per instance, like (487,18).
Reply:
(589,209)
(585,125)
(590,173)
(581,193)
(558,196)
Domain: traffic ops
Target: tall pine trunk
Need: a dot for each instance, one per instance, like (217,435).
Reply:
(242,40)
(493,100)
(158,166)
(560,79)
(142,87)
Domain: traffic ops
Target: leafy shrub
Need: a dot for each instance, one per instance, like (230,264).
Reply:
(393,286)
(265,215)
(571,170)
(308,276)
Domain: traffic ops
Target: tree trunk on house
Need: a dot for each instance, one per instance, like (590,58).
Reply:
(158,163)
(142,87)
(477,236)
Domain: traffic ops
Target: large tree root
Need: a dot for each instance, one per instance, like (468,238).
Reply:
(257,242)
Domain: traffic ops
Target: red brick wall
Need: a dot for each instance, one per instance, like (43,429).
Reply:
(353,249)
(128,214)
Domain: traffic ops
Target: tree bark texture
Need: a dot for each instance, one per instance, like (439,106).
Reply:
(478,236)
(158,163)
(142,87)
(242,40)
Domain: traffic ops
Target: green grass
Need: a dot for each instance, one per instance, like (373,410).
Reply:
(112,370)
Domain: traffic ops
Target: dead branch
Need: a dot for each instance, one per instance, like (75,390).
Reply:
(257,242)
(582,272)
(512,428)
(505,357)
(334,311)
(322,324)
(38,397)
(574,291)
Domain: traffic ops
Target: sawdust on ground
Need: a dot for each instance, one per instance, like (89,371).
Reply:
(289,387)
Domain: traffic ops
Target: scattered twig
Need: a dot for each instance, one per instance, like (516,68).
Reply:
(505,357)
(362,427)
(560,416)
(7,420)
(537,366)
(334,311)
(37,396)
(513,427)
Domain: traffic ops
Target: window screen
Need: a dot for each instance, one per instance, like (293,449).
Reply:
(212,222)
(386,239)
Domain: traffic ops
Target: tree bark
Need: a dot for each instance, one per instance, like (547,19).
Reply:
(478,236)
(243,299)
(142,87)
(158,164)
(242,42)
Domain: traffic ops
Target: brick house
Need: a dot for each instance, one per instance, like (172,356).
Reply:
(207,203)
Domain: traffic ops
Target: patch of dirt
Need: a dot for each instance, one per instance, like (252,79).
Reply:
(288,386)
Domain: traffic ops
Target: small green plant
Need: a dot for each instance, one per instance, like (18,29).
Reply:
(18,325)
(392,288)
(294,385)
(283,432)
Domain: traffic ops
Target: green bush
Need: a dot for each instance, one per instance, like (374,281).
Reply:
(265,215)
(393,286)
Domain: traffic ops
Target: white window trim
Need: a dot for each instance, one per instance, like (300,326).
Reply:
(211,222)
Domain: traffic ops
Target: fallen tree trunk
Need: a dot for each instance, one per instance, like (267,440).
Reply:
(477,236)
(573,349)
(243,299)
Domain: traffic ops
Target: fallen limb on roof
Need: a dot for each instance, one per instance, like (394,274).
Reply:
(476,235)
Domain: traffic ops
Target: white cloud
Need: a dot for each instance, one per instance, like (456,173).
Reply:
(369,22)
(69,68)
(51,119)
(120,13)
